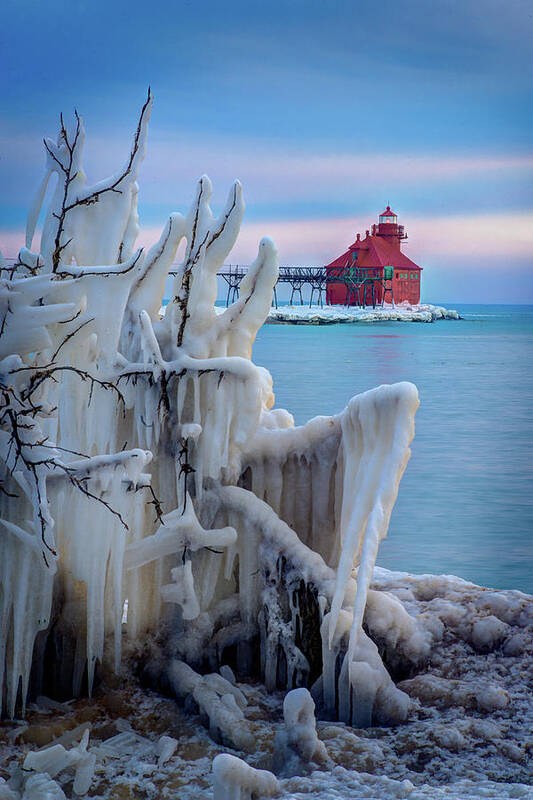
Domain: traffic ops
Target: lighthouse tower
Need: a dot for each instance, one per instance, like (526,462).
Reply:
(374,265)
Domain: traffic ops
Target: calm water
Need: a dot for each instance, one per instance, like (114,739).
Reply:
(466,502)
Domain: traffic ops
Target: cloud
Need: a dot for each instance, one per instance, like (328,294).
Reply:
(504,236)
(271,171)
(280,175)
(12,241)
(317,241)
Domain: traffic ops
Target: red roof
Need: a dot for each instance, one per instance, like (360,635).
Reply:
(374,251)
(388,213)
(342,261)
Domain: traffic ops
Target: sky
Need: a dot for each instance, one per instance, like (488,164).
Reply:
(326,111)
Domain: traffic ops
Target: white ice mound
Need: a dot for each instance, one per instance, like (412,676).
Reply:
(219,701)
(234,779)
(142,460)
(297,748)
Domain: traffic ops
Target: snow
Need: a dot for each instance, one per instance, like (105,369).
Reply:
(143,465)
(327,315)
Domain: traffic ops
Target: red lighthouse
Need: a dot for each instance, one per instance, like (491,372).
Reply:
(374,269)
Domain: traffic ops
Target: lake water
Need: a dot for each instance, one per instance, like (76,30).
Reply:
(465,504)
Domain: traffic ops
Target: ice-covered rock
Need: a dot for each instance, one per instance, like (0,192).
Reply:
(488,633)
(390,625)
(218,700)
(467,734)
(297,746)
(165,749)
(515,645)
(234,779)
(443,692)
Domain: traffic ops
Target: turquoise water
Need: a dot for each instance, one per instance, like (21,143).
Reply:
(465,504)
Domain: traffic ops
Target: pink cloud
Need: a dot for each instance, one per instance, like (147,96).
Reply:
(317,241)
(12,241)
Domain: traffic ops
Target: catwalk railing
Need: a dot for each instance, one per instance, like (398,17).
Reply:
(360,286)
(315,279)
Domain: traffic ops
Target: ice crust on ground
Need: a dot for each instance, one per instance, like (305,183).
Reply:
(144,466)
(327,315)
(234,779)
(459,739)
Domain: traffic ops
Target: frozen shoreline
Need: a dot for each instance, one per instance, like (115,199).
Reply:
(329,315)
(467,735)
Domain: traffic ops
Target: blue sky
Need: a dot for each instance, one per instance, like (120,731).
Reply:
(325,110)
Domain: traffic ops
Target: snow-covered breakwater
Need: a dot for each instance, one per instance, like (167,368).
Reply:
(329,315)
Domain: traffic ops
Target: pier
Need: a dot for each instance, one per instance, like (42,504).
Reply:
(314,282)
(297,277)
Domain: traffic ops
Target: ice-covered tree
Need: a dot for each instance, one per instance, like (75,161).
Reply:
(142,459)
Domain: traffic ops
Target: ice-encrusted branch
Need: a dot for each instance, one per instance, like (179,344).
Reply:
(93,195)
(72,223)
(264,536)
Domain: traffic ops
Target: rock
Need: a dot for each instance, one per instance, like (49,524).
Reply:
(488,633)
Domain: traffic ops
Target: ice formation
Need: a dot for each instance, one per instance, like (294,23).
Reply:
(234,779)
(53,760)
(297,746)
(468,734)
(142,460)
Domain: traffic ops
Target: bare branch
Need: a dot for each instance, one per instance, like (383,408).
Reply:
(95,196)
(70,336)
